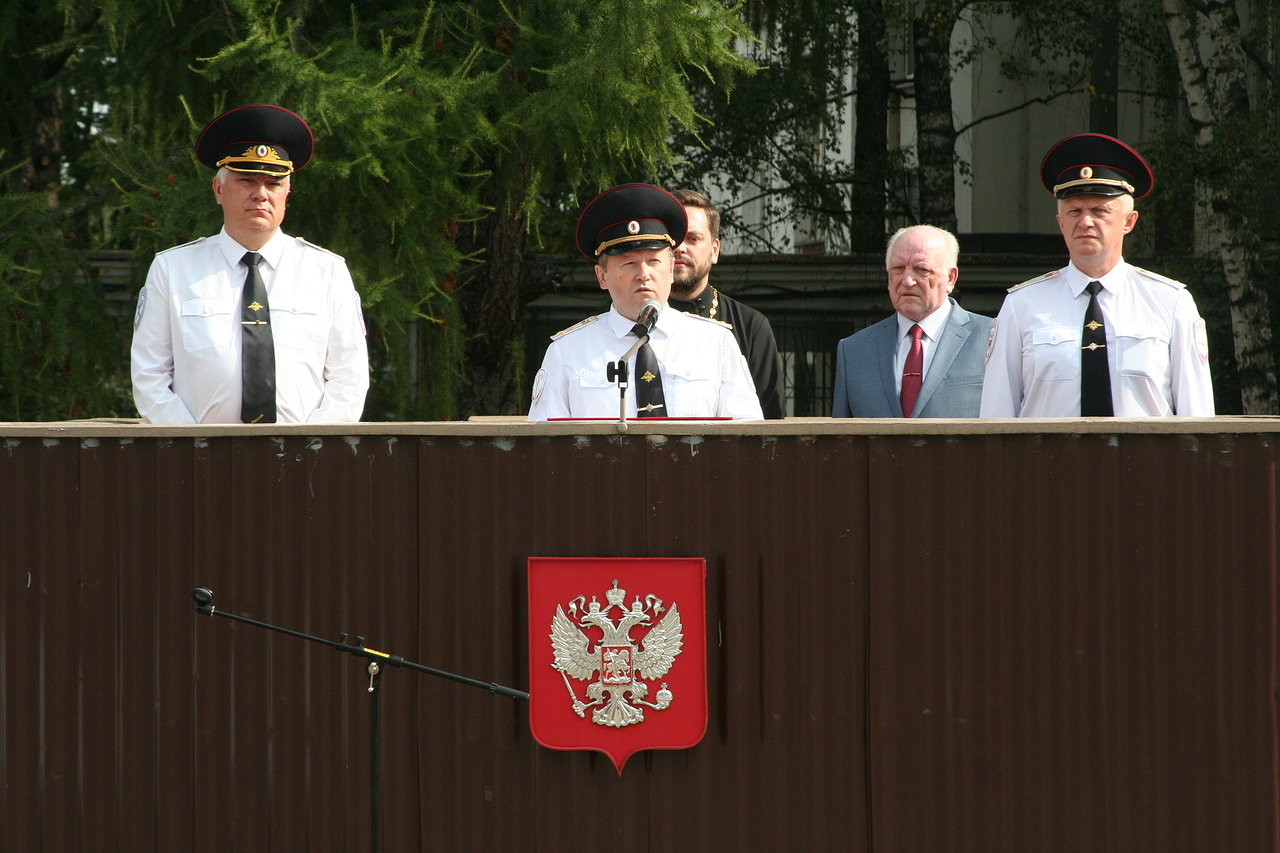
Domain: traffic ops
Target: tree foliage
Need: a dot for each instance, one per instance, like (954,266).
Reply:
(772,141)
(456,140)
(1233,151)
(449,135)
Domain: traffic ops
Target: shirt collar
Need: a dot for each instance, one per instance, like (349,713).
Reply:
(932,325)
(1113,282)
(272,252)
(668,319)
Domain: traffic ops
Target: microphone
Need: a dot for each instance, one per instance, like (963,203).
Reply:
(648,316)
(204,599)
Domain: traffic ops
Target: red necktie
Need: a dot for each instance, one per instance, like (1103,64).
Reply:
(913,371)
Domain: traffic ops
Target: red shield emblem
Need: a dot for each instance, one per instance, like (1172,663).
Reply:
(617,653)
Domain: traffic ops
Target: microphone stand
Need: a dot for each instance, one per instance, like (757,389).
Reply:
(376,662)
(617,372)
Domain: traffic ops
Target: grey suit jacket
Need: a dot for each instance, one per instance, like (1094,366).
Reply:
(865,381)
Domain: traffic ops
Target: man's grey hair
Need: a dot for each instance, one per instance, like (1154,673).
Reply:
(950,245)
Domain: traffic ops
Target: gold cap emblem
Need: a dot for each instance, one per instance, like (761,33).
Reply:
(267,158)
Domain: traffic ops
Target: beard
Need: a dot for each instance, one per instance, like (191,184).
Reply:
(687,278)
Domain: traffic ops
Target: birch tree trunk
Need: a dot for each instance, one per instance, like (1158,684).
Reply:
(1213,83)
(935,125)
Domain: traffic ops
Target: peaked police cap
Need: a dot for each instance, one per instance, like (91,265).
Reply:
(256,138)
(630,217)
(1094,164)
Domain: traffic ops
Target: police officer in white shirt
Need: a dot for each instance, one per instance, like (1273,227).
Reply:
(250,325)
(699,370)
(1100,336)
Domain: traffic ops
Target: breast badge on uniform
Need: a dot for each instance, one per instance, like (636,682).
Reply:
(614,676)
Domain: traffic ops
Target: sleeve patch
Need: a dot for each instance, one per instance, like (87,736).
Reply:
(1202,341)
(539,382)
(142,306)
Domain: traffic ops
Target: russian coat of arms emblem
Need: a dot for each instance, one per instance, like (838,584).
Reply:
(618,696)
(613,674)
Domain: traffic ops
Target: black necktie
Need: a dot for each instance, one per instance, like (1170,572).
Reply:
(1095,377)
(257,351)
(650,402)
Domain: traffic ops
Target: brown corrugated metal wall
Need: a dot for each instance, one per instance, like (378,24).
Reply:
(917,641)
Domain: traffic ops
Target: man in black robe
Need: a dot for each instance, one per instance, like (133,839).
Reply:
(692,293)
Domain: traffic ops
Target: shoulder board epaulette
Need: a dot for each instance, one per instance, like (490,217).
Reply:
(1035,280)
(710,320)
(194,242)
(1155,276)
(582,324)
(310,245)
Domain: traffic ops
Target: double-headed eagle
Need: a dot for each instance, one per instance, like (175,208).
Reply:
(619,661)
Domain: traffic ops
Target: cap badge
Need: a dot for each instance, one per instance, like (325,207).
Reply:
(1086,172)
(633,227)
(261,153)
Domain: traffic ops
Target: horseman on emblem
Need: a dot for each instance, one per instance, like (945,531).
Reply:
(620,662)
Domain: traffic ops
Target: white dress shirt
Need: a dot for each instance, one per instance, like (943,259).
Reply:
(704,373)
(1157,349)
(932,327)
(185,357)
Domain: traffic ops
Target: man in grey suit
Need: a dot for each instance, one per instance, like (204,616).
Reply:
(927,359)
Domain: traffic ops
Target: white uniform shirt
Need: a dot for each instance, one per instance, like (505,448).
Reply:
(932,326)
(1157,350)
(703,370)
(186,339)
